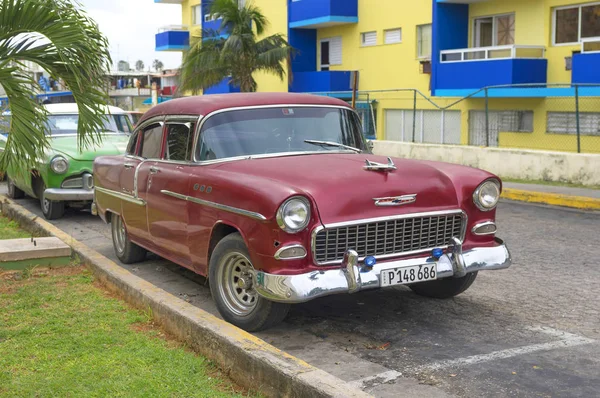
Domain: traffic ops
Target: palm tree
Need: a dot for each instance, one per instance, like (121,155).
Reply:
(157,65)
(59,37)
(139,65)
(237,56)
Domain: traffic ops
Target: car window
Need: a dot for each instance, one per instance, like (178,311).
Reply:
(179,141)
(277,130)
(152,141)
(67,124)
(123,123)
(132,145)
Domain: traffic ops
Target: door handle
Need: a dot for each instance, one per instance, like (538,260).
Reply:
(154,170)
(129,165)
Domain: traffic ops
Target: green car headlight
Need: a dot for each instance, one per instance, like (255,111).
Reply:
(59,165)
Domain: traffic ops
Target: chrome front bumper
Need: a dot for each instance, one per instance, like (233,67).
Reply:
(68,195)
(352,277)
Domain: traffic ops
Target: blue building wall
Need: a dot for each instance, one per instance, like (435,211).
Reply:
(172,40)
(586,68)
(305,42)
(308,12)
(450,30)
(315,82)
(223,87)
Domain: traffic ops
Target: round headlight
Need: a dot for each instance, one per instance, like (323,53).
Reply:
(59,165)
(487,195)
(293,215)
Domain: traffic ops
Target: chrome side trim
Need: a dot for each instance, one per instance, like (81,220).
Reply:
(235,210)
(484,224)
(350,277)
(123,196)
(284,248)
(318,229)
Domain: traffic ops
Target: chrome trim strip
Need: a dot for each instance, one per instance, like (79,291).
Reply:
(318,229)
(69,194)
(284,248)
(206,117)
(235,210)
(484,224)
(351,277)
(123,196)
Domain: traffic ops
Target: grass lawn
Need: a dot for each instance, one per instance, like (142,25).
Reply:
(10,229)
(62,335)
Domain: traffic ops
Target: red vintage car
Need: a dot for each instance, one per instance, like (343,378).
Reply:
(278,199)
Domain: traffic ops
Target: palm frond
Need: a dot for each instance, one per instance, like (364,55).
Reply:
(60,38)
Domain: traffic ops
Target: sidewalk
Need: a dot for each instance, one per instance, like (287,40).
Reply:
(578,198)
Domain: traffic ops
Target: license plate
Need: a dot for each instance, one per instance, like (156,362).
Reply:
(406,275)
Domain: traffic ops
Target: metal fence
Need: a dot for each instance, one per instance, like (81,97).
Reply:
(542,117)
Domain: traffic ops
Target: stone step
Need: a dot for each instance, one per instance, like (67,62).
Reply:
(12,250)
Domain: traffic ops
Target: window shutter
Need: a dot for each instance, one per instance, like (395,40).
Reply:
(369,38)
(393,36)
(335,51)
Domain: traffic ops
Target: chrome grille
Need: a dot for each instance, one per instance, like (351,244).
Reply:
(388,237)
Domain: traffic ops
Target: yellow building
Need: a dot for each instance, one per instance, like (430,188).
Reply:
(482,72)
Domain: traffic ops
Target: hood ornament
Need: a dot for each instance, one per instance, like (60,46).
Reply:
(395,200)
(374,166)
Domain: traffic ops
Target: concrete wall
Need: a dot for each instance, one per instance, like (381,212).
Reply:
(507,163)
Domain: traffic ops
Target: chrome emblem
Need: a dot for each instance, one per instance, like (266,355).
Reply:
(396,200)
(375,166)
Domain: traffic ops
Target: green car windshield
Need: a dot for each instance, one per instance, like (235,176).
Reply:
(67,124)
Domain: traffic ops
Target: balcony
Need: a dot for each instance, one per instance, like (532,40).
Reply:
(585,64)
(463,71)
(314,14)
(173,38)
(224,87)
(318,82)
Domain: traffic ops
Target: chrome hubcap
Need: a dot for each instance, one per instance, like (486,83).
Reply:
(120,235)
(236,284)
(45,204)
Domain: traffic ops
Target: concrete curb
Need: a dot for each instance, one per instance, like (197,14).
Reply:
(575,202)
(249,361)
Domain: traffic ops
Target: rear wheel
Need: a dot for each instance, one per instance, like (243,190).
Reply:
(13,191)
(50,209)
(444,288)
(127,251)
(232,288)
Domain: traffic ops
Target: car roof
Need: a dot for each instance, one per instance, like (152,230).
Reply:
(72,108)
(205,104)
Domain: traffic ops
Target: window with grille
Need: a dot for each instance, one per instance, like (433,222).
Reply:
(392,36)
(368,39)
(424,41)
(516,121)
(566,123)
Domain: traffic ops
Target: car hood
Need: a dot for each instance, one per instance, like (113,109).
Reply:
(111,145)
(343,190)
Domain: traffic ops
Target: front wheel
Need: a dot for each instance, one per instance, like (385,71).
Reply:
(232,288)
(50,209)
(127,251)
(444,288)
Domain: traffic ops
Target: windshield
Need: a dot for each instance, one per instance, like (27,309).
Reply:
(67,124)
(279,130)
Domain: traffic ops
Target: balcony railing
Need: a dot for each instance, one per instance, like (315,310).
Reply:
(172,38)
(493,53)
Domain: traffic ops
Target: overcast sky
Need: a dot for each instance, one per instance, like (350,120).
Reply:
(130,26)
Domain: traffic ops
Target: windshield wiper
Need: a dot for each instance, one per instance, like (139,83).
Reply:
(335,144)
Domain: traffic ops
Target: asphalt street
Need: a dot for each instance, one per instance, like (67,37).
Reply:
(532,330)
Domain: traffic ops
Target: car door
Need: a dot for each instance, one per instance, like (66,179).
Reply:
(134,177)
(168,183)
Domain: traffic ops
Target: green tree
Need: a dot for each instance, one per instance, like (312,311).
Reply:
(59,37)
(139,65)
(237,56)
(158,65)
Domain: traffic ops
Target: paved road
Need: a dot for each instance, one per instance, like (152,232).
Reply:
(530,331)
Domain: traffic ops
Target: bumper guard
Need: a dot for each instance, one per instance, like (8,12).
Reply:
(65,195)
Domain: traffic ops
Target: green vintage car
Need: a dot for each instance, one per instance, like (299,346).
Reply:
(64,176)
